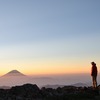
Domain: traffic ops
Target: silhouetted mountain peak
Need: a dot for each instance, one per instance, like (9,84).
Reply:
(14,73)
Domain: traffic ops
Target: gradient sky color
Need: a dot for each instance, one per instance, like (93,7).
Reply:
(49,36)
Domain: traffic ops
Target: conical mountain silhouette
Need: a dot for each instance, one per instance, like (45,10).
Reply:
(14,73)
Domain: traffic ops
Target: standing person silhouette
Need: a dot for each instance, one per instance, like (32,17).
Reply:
(94,74)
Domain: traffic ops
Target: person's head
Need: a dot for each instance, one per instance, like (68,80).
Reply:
(93,63)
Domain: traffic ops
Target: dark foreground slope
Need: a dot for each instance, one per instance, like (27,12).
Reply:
(32,92)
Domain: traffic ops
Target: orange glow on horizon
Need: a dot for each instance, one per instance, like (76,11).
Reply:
(46,67)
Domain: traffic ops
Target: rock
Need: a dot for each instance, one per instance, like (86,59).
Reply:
(32,92)
(27,90)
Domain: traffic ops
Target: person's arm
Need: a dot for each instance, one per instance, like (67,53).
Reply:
(92,71)
(97,70)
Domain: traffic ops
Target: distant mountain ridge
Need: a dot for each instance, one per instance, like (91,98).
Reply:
(12,78)
(80,85)
(5,87)
(57,85)
(14,73)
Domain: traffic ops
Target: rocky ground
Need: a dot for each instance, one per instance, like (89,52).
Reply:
(32,92)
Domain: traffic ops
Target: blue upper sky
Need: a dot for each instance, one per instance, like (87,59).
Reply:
(50,28)
(39,20)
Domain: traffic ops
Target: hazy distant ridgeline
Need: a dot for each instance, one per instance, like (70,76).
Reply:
(15,77)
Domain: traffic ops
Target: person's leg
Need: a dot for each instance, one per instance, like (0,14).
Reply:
(93,81)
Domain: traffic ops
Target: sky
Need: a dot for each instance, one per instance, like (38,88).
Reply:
(49,36)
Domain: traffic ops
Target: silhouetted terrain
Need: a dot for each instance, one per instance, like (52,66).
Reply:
(32,92)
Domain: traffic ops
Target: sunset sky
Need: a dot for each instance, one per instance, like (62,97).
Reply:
(49,36)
